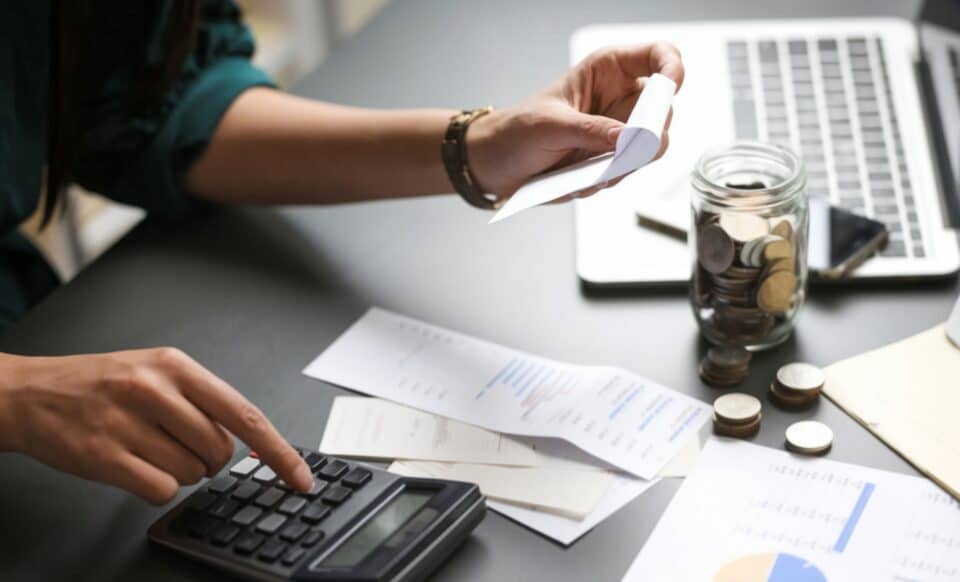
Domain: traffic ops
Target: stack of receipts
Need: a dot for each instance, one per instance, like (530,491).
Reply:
(583,441)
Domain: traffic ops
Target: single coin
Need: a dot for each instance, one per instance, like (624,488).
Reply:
(785,264)
(737,430)
(715,249)
(777,249)
(747,251)
(728,356)
(783,229)
(801,377)
(809,437)
(776,292)
(736,408)
(743,227)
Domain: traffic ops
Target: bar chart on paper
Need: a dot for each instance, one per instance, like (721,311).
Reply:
(624,419)
(753,514)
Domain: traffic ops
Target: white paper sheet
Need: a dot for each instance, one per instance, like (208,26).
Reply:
(562,491)
(638,142)
(752,513)
(619,417)
(379,429)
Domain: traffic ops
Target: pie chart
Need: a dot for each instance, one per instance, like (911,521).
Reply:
(769,567)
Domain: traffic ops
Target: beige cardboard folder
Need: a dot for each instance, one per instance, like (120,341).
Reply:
(908,394)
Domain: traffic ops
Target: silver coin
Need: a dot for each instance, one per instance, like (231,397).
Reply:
(801,377)
(737,408)
(743,227)
(809,437)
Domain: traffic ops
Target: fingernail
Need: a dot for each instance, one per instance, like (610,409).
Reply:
(612,134)
(304,477)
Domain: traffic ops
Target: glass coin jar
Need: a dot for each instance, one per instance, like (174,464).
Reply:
(748,243)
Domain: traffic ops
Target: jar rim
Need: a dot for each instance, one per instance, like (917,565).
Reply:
(786,188)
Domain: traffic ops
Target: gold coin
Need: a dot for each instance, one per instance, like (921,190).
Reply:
(784,230)
(785,264)
(776,292)
(778,249)
(743,227)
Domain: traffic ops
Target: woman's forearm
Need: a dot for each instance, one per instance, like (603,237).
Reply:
(273,148)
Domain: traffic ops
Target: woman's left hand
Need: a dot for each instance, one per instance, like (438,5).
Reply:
(577,117)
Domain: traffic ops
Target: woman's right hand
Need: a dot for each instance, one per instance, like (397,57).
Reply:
(146,421)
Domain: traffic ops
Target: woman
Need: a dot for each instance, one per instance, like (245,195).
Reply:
(156,104)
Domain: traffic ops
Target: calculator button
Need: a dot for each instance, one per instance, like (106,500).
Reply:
(265,474)
(202,500)
(317,489)
(315,460)
(336,495)
(293,532)
(312,538)
(271,523)
(272,550)
(292,505)
(246,491)
(315,513)
(293,556)
(244,467)
(246,516)
(224,534)
(248,543)
(221,484)
(224,508)
(356,478)
(196,524)
(270,497)
(333,470)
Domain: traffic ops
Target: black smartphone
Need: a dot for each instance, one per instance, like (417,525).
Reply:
(840,240)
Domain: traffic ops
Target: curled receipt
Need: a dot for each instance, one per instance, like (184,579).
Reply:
(639,141)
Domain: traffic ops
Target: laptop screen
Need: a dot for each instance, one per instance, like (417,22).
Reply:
(945,13)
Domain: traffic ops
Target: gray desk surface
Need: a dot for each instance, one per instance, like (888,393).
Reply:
(254,294)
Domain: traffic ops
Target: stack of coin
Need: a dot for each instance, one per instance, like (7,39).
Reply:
(736,415)
(725,366)
(746,277)
(809,437)
(797,385)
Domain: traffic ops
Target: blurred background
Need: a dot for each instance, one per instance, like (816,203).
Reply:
(293,37)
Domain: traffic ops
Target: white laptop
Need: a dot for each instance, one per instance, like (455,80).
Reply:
(878,135)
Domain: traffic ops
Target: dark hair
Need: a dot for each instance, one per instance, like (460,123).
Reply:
(71,22)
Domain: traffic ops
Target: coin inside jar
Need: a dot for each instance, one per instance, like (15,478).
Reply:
(809,437)
(736,408)
(783,229)
(715,249)
(743,227)
(776,292)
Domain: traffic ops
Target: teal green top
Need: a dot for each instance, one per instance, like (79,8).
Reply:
(138,159)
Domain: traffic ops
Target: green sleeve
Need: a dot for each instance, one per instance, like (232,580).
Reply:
(142,159)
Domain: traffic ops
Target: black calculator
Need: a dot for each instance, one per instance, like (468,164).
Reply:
(357,524)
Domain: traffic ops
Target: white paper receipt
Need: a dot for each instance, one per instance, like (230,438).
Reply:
(626,420)
(639,141)
(378,429)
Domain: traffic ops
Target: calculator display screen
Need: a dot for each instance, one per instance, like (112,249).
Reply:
(375,531)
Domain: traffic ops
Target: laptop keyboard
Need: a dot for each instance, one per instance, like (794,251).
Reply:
(830,100)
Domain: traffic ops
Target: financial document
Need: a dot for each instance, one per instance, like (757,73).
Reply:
(752,513)
(371,428)
(619,417)
(636,146)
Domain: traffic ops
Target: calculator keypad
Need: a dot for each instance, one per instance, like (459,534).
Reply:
(251,513)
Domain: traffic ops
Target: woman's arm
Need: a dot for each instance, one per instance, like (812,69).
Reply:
(273,148)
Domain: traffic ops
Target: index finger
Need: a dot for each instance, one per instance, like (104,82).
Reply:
(645,60)
(241,417)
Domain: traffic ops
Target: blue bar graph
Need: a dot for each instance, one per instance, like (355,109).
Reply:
(851,524)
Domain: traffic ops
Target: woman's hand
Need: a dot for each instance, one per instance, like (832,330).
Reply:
(577,117)
(146,421)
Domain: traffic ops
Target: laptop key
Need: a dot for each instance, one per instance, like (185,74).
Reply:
(333,470)
(270,497)
(294,531)
(265,474)
(202,500)
(224,534)
(245,466)
(271,523)
(221,484)
(336,495)
(293,556)
(356,478)
(312,538)
(315,513)
(224,508)
(247,515)
(272,550)
(292,505)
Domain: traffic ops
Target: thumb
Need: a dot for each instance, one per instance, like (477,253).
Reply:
(593,133)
